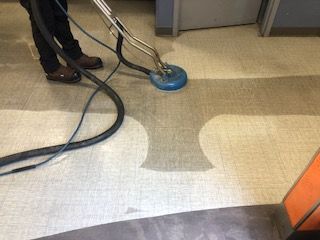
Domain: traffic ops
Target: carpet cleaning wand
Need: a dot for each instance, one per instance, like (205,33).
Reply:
(165,77)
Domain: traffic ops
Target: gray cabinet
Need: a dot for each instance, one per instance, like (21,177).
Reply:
(292,17)
(175,15)
(277,17)
(193,14)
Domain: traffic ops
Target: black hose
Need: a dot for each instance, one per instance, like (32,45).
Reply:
(75,145)
(122,58)
(62,149)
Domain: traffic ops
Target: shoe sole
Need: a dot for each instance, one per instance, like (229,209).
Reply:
(76,80)
(94,67)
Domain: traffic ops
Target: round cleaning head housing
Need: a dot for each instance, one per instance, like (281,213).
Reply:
(174,79)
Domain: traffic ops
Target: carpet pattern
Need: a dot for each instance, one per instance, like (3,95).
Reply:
(239,134)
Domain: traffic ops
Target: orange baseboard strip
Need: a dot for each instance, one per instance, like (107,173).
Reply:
(304,196)
(312,223)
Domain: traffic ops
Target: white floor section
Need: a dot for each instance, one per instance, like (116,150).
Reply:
(105,183)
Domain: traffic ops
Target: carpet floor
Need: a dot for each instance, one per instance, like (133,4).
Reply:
(239,134)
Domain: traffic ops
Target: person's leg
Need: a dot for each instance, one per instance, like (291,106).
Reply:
(70,45)
(48,57)
(63,32)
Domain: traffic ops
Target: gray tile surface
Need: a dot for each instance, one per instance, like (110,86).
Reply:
(246,223)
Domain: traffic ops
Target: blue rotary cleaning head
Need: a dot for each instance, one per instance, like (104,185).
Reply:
(174,79)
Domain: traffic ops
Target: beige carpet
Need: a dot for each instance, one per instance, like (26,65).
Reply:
(239,134)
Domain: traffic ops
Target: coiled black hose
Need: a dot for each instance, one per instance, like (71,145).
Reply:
(75,145)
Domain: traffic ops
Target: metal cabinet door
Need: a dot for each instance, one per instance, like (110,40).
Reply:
(193,14)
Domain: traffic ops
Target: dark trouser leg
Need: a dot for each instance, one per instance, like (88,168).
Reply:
(48,57)
(63,33)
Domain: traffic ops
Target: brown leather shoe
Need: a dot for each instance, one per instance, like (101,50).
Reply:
(65,75)
(87,62)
